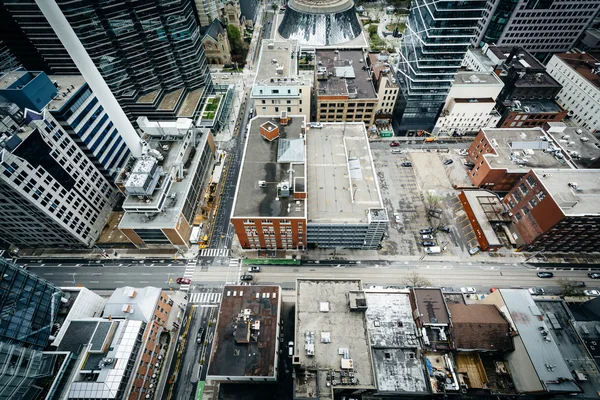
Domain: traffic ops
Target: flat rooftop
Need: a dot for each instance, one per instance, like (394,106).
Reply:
(536,106)
(482,59)
(347,74)
(190,103)
(381,66)
(323,310)
(522,59)
(69,85)
(260,164)
(276,55)
(520,149)
(557,316)
(431,306)
(487,208)
(584,154)
(395,343)
(245,342)
(582,200)
(527,318)
(170,100)
(471,78)
(583,64)
(536,80)
(10,78)
(342,183)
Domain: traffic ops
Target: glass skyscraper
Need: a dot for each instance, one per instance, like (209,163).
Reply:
(149,53)
(436,39)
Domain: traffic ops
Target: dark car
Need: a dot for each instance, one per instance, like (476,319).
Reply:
(200,336)
(428,244)
(594,275)
(444,229)
(469,164)
(246,277)
(394,144)
(579,283)
(426,231)
(448,162)
(545,275)
(406,164)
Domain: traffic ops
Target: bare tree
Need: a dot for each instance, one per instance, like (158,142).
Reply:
(433,200)
(413,279)
(568,287)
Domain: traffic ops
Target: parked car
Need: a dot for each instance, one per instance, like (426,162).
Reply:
(545,274)
(448,162)
(468,290)
(579,283)
(397,151)
(246,277)
(594,275)
(537,291)
(428,244)
(474,250)
(200,336)
(394,144)
(469,164)
(397,218)
(426,231)
(592,292)
(316,125)
(183,281)
(290,348)
(427,237)
(444,229)
(254,268)
(406,164)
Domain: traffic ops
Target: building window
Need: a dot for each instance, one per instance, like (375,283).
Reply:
(541,196)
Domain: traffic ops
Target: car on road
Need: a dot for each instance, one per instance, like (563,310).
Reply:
(537,291)
(468,290)
(444,229)
(427,244)
(290,348)
(246,277)
(579,283)
(543,274)
(448,161)
(426,231)
(316,125)
(394,144)
(592,292)
(200,336)
(406,164)
(427,237)
(183,281)
(594,275)
(254,268)
(474,250)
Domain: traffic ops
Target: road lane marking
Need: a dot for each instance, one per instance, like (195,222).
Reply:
(144,282)
(94,281)
(119,281)
(48,273)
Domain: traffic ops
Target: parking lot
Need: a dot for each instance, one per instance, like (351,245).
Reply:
(407,193)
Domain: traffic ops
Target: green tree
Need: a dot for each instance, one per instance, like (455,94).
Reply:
(372,29)
(239,51)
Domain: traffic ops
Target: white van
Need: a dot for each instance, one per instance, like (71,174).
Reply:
(433,250)
(291,349)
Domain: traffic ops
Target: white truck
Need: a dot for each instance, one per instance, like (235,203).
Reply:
(433,250)
(195,236)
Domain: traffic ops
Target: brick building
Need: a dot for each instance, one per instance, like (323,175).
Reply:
(486,216)
(531,113)
(556,210)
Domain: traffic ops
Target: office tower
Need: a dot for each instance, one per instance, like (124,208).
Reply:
(8,62)
(435,41)
(149,54)
(51,193)
(541,27)
(72,103)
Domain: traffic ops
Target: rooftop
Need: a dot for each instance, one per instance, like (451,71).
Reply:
(535,106)
(586,153)
(328,332)
(170,100)
(342,184)
(245,342)
(487,209)
(521,60)
(260,163)
(546,358)
(520,149)
(380,66)
(8,79)
(470,78)
(136,304)
(68,86)
(576,191)
(431,306)
(583,64)
(346,74)
(536,80)
(557,315)
(482,59)
(480,327)
(395,343)
(276,62)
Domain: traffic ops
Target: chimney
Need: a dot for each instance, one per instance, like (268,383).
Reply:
(512,54)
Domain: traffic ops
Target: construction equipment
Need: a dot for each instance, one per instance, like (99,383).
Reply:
(423,132)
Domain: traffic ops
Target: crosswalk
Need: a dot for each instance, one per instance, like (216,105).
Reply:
(205,298)
(189,272)
(214,253)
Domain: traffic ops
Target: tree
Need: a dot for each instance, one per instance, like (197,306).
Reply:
(568,287)
(413,279)
(274,7)
(239,51)
(433,199)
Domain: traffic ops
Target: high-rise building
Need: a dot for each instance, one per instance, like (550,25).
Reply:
(150,55)
(540,26)
(435,41)
(8,62)
(51,194)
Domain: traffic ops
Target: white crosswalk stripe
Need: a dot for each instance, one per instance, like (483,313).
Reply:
(234,262)
(184,288)
(214,253)
(205,298)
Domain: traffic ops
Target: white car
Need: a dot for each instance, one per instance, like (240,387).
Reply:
(316,125)
(427,237)
(537,291)
(468,290)
(592,292)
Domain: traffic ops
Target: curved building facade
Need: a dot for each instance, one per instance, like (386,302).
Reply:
(320,23)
